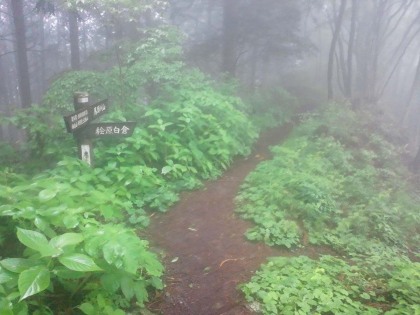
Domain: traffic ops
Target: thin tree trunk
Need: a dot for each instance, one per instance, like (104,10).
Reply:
(21,53)
(398,61)
(416,162)
(414,87)
(74,40)
(253,74)
(336,33)
(4,102)
(229,40)
(342,66)
(349,81)
(4,93)
(43,63)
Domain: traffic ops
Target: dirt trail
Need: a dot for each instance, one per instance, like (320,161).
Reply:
(206,254)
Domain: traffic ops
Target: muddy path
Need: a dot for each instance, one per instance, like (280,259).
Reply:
(205,252)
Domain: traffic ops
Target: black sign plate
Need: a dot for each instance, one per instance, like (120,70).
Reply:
(105,130)
(84,116)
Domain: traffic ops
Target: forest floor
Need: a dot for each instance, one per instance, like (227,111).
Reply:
(203,246)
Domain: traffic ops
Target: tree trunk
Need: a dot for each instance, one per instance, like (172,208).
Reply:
(229,40)
(253,68)
(21,53)
(74,40)
(349,80)
(43,63)
(411,117)
(336,34)
(416,162)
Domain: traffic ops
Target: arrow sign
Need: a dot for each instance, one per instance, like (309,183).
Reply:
(105,130)
(84,116)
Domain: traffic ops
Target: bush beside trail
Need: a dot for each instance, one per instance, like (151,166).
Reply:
(337,182)
(71,242)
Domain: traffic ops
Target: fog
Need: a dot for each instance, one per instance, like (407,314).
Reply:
(209,157)
(361,52)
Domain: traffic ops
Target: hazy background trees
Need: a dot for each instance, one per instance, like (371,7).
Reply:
(363,51)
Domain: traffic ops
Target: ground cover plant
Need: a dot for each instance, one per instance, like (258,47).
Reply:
(337,182)
(71,231)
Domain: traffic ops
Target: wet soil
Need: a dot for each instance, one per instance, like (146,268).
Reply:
(202,240)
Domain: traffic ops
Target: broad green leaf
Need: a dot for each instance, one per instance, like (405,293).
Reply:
(365,296)
(17,265)
(64,273)
(87,308)
(79,262)
(33,281)
(14,295)
(113,253)
(6,276)
(66,240)
(166,169)
(36,241)
(20,309)
(70,221)
(44,227)
(140,292)
(157,283)
(127,287)
(5,307)
(111,281)
(47,194)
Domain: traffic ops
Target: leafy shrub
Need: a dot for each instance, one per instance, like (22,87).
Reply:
(304,286)
(271,107)
(404,284)
(61,213)
(59,96)
(101,259)
(344,182)
(341,192)
(45,138)
(298,189)
(77,216)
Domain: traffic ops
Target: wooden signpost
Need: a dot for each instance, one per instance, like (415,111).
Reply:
(80,124)
(82,117)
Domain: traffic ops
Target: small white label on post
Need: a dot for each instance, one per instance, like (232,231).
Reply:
(83,99)
(85,151)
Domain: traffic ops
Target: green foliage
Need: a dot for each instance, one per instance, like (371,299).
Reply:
(404,285)
(344,185)
(337,182)
(304,286)
(59,96)
(45,139)
(100,305)
(275,231)
(101,259)
(271,107)
(71,220)
(291,188)
(330,285)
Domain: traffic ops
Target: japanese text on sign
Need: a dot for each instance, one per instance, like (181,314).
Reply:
(79,119)
(98,109)
(112,130)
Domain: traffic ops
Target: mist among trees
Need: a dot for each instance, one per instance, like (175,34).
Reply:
(208,82)
(366,53)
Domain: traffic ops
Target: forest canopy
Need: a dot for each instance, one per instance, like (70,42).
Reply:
(204,81)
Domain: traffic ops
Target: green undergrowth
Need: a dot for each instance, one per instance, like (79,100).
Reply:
(337,182)
(68,233)
(270,107)
(300,285)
